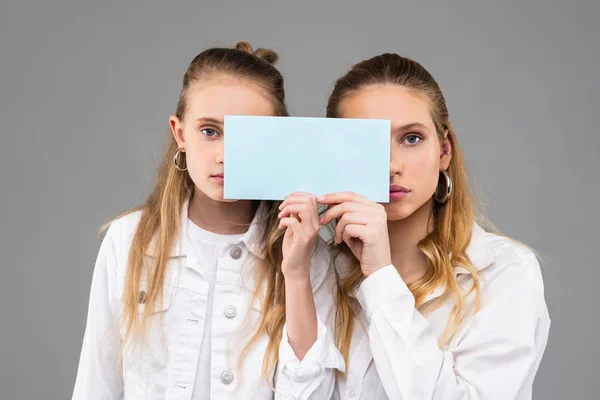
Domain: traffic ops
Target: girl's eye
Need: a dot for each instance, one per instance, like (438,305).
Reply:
(412,140)
(210,133)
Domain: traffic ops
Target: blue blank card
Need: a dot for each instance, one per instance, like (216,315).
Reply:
(267,158)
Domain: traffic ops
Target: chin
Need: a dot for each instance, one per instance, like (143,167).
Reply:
(222,200)
(219,198)
(217,195)
(397,211)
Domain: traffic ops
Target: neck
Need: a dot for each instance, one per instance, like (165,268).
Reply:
(223,218)
(404,235)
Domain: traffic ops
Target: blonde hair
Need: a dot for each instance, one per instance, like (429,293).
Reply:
(161,212)
(445,247)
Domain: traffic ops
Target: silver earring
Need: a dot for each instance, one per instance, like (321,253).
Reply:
(176,158)
(443,197)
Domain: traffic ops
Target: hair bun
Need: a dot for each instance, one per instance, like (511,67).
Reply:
(267,54)
(264,54)
(243,46)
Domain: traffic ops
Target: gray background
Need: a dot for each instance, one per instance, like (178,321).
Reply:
(86,89)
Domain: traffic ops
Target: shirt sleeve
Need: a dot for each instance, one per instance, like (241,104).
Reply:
(98,375)
(314,376)
(496,358)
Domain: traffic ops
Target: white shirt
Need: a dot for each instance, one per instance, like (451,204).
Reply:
(208,247)
(165,367)
(394,352)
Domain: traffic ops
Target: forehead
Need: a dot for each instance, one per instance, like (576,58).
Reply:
(227,96)
(393,102)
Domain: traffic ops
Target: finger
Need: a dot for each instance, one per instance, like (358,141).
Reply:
(295,226)
(297,216)
(295,210)
(339,210)
(353,231)
(349,219)
(341,197)
(307,210)
(302,194)
(312,200)
(308,217)
(296,198)
(289,222)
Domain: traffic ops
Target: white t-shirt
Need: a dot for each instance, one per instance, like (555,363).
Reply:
(208,247)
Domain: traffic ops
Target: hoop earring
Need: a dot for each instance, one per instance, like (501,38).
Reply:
(447,191)
(175,159)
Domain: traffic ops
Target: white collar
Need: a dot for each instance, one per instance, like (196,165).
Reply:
(478,251)
(251,239)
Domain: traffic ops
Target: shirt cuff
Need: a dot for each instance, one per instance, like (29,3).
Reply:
(322,354)
(379,288)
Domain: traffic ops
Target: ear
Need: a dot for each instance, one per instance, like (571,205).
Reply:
(177,130)
(446,152)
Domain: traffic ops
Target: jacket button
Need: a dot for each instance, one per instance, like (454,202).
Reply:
(235,252)
(352,393)
(227,377)
(142,297)
(230,311)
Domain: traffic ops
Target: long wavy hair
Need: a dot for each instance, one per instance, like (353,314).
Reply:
(161,211)
(445,246)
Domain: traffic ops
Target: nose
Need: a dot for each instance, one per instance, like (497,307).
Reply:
(219,157)
(396,166)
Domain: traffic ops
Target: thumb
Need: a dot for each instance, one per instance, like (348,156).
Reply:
(289,232)
(354,245)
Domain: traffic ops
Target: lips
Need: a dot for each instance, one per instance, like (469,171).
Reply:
(398,189)
(220,178)
(397,192)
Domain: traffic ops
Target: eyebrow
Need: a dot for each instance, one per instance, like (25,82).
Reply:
(210,120)
(412,125)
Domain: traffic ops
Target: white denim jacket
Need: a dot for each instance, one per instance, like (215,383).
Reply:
(394,352)
(165,367)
